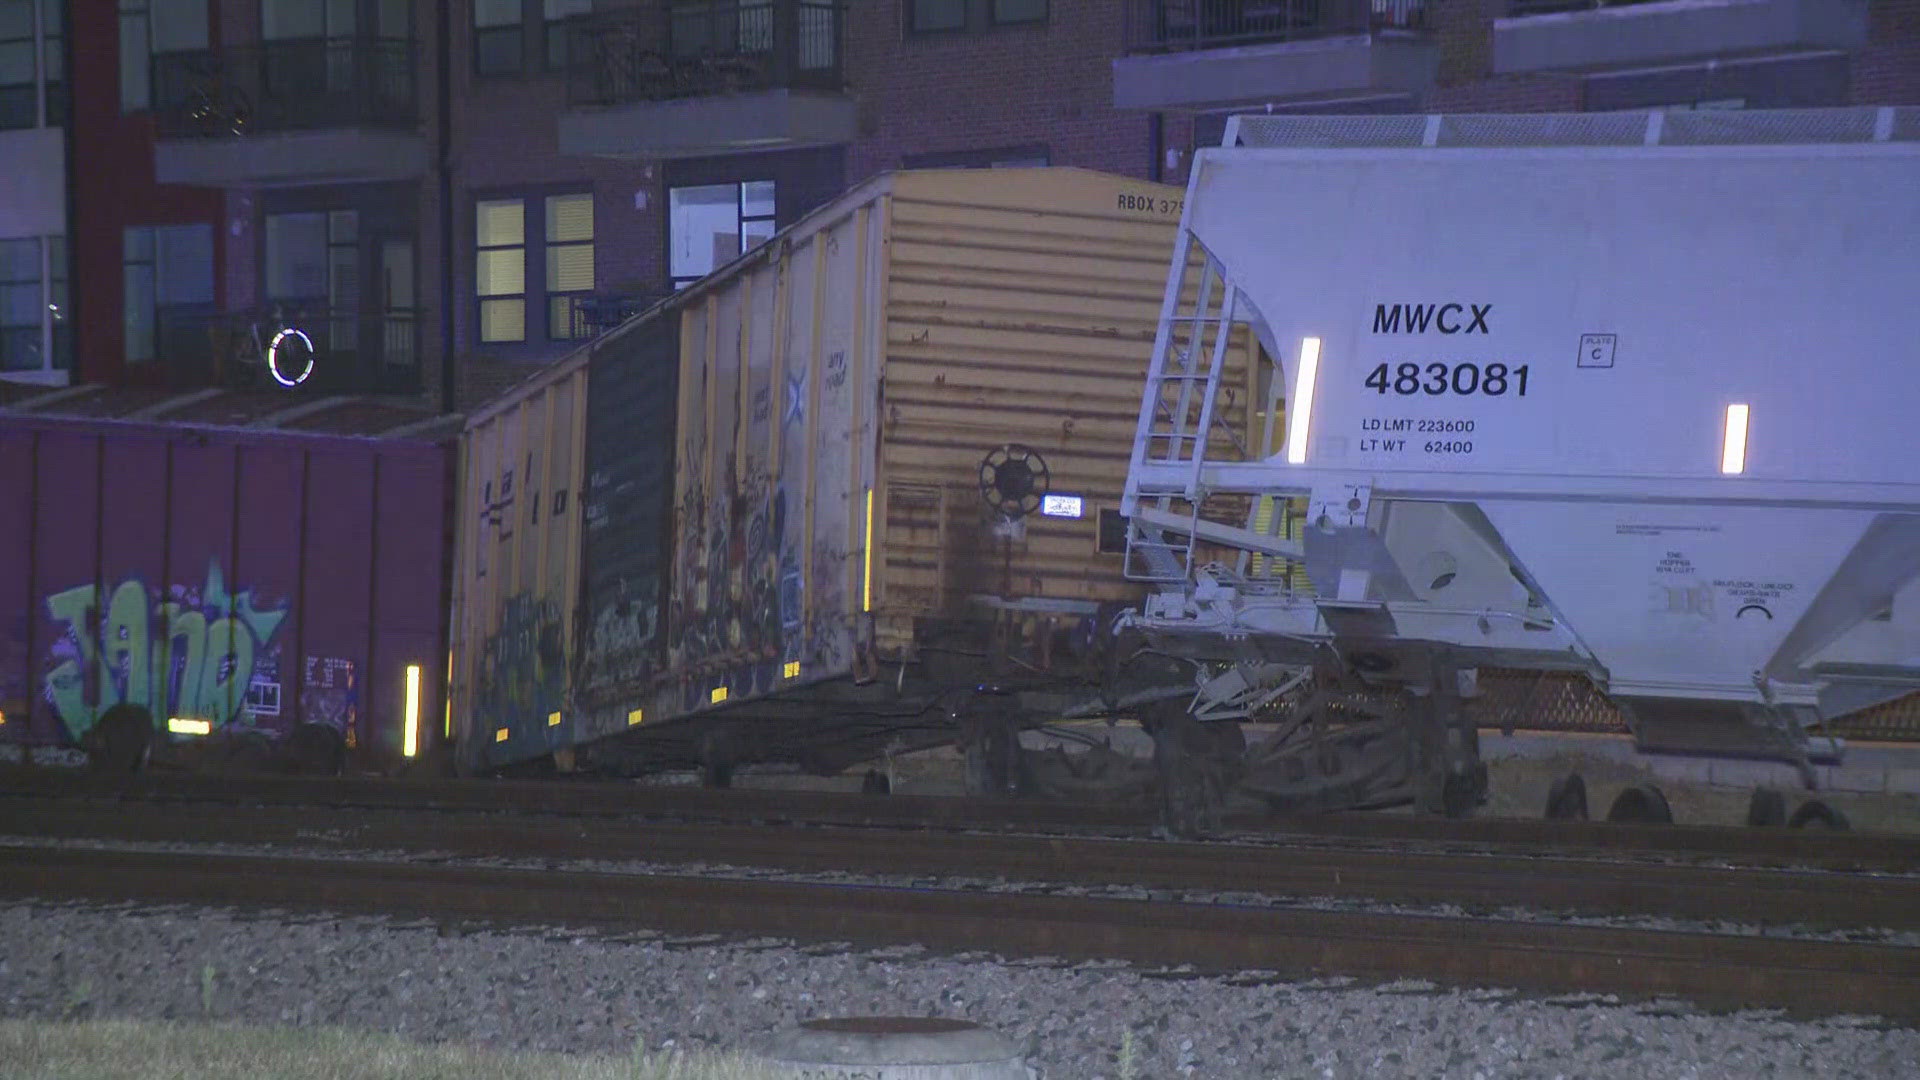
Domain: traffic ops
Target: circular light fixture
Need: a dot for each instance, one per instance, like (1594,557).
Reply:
(274,351)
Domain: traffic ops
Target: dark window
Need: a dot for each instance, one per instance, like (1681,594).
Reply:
(313,272)
(1008,12)
(30,59)
(1006,157)
(19,74)
(168,273)
(149,28)
(556,13)
(932,16)
(53,60)
(499,34)
(710,225)
(136,58)
(57,302)
(1113,533)
(22,306)
(924,15)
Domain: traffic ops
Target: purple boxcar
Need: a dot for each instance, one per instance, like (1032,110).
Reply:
(237,584)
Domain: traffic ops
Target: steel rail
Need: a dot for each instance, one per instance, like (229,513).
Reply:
(1748,846)
(1483,882)
(1801,977)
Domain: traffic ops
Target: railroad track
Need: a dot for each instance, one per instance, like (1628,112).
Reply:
(1799,976)
(1592,886)
(1716,844)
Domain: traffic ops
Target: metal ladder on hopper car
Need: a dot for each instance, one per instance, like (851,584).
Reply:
(1177,417)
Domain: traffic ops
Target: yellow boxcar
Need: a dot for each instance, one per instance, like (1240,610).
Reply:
(846,397)
(517,568)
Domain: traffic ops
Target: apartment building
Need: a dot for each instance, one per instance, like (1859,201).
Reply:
(35,319)
(442,196)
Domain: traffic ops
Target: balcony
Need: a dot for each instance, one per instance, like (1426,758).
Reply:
(604,311)
(289,114)
(1593,35)
(688,78)
(323,352)
(1209,53)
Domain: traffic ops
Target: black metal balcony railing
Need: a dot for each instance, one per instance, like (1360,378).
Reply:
(286,86)
(595,314)
(1183,25)
(665,49)
(350,351)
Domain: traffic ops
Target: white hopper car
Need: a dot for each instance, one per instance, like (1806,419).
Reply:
(1634,395)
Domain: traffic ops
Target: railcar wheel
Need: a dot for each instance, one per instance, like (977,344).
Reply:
(1767,809)
(317,750)
(1814,814)
(1567,798)
(250,752)
(122,740)
(1641,803)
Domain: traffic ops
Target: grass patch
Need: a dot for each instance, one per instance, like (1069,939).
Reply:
(135,1050)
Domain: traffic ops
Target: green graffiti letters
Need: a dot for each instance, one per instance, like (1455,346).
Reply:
(192,659)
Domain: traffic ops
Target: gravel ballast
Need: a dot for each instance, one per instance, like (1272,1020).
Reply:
(556,990)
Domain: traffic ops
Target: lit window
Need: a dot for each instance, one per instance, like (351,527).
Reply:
(713,224)
(500,272)
(569,262)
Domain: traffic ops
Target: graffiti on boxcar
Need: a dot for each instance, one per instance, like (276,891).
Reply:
(188,652)
(523,664)
(619,645)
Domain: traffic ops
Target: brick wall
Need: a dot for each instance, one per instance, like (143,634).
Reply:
(1046,84)
(1887,71)
(1463,31)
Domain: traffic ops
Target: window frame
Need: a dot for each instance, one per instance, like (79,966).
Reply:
(140,14)
(977,17)
(137,97)
(480,300)
(1043,19)
(549,294)
(41,285)
(553,30)
(539,326)
(36,82)
(157,325)
(517,28)
(740,219)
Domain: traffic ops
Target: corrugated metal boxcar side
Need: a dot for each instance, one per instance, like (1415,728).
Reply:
(834,394)
(251,580)
(518,575)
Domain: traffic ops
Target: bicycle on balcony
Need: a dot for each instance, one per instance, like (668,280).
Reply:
(265,351)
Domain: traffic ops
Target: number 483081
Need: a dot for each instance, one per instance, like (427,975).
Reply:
(1494,380)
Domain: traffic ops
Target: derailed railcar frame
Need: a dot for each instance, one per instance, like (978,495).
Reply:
(823,579)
